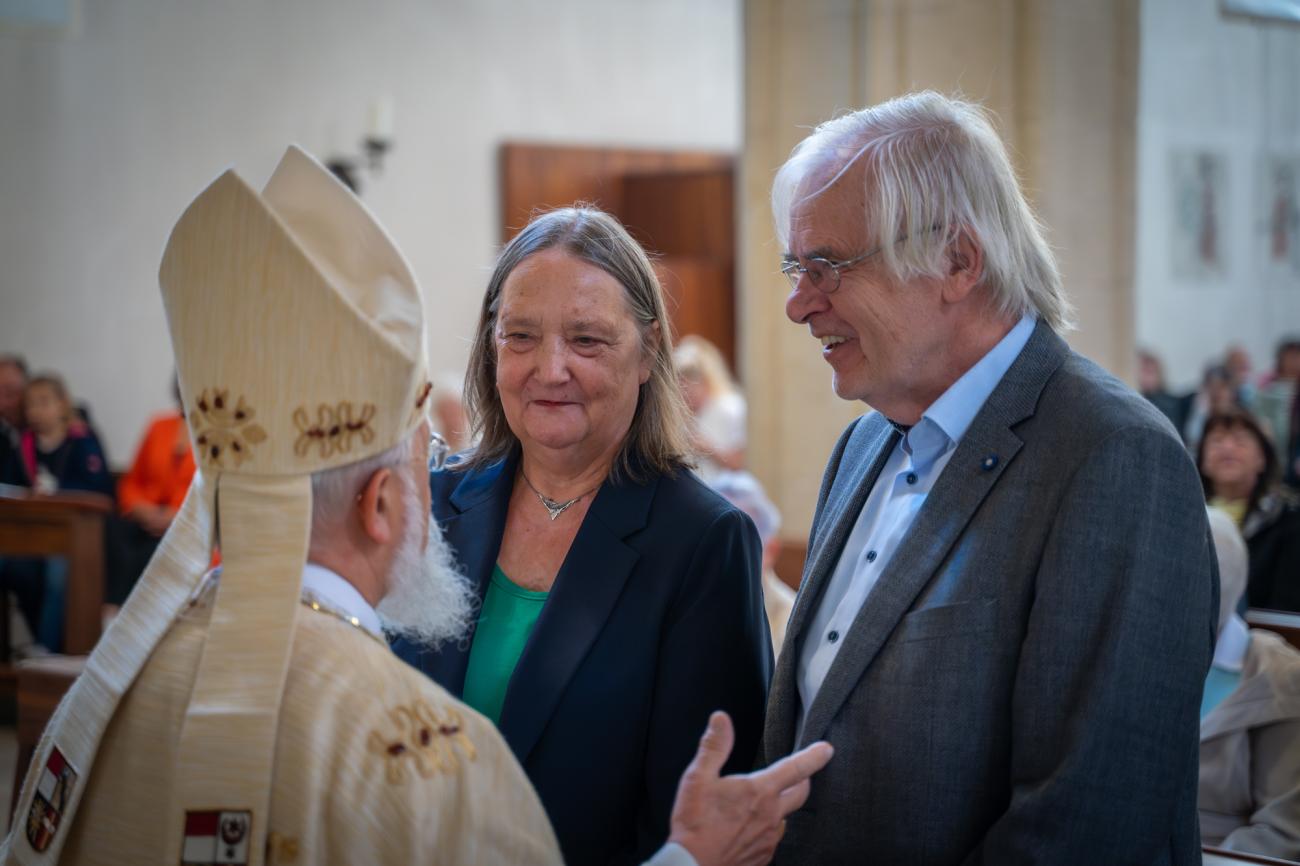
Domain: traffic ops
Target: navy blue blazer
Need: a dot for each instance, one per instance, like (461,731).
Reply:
(655,620)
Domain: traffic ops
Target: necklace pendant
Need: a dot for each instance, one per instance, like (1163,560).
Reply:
(555,509)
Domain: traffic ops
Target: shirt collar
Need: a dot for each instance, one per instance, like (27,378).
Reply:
(1234,641)
(957,407)
(334,591)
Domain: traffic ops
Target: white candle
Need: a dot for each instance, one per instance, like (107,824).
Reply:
(381,119)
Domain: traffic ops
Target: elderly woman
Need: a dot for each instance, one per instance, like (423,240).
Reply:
(620,597)
(1249,785)
(1239,470)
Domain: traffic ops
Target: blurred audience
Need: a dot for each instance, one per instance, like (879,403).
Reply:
(1151,384)
(1237,362)
(1249,783)
(449,416)
(56,452)
(13,382)
(716,404)
(1278,406)
(1239,470)
(1218,393)
(148,497)
(744,491)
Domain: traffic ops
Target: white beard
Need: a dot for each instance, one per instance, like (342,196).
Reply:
(429,601)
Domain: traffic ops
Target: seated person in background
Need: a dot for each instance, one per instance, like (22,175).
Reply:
(56,454)
(13,382)
(449,417)
(1277,406)
(744,491)
(1218,393)
(148,497)
(1151,384)
(1240,474)
(1249,787)
(716,404)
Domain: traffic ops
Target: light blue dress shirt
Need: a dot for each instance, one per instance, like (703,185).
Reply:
(904,483)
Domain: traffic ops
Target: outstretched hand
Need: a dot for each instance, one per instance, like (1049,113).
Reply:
(738,819)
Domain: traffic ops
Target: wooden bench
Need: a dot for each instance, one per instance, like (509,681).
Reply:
(70,525)
(1283,622)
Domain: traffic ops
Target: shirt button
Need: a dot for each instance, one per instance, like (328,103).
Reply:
(911,478)
(871,556)
(833,636)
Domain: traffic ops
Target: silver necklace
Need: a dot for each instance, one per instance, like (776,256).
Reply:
(553,507)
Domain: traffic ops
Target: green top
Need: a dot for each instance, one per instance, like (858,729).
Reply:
(507,617)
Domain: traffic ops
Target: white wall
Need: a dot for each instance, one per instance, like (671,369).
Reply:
(108,131)
(1229,85)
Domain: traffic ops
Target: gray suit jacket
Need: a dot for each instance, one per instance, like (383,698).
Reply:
(1023,683)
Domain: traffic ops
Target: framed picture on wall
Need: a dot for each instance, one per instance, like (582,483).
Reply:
(1283,10)
(1199,181)
(1277,216)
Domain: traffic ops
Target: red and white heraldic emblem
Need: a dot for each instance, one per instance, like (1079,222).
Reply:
(216,837)
(53,793)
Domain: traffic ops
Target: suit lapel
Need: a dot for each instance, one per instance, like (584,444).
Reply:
(584,594)
(473,529)
(862,461)
(956,496)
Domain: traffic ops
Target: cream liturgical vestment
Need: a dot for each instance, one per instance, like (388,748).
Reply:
(226,722)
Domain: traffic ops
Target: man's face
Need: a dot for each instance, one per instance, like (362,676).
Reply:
(12,383)
(876,335)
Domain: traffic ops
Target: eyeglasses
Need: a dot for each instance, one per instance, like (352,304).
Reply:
(823,273)
(439,451)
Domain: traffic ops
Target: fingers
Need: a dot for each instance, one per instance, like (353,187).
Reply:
(715,745)
(793,769)
(792,799)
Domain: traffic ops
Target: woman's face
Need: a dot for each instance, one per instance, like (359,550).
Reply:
(1232,458)
(46,412)
(570,362)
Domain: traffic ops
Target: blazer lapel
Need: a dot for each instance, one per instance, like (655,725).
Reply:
(587,587)
(864,461)
(957,494)
(473,528)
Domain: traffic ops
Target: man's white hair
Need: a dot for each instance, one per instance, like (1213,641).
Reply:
(334,490)
(934,168)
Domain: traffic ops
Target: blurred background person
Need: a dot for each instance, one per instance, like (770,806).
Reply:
(449,418)
(1218,393)
(56,453)
(1249,785)
(620,598)
(717,406)
(1151,384)
(1236,360)
(13,382)
(148,496)
(1278,406)
(1239,471)
(745,492)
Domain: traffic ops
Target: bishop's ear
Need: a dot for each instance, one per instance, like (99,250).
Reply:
(377,506)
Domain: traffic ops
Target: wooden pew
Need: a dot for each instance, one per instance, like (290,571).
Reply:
(1219,857)
(1283,622)
(70,525)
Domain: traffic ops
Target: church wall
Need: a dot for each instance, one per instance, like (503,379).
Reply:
(1228,87)
(109,129)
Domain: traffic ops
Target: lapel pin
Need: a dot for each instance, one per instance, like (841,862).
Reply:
(989,463)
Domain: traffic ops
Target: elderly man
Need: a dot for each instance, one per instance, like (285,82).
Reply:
(1009,603)
(255,714)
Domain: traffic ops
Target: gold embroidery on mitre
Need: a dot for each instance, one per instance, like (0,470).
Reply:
(334,429)
(420,737)
(223,431)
